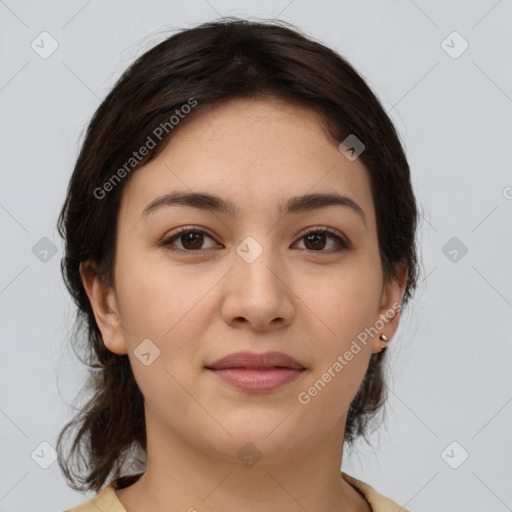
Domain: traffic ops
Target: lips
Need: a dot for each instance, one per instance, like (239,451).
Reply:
(254,361)
(257,373)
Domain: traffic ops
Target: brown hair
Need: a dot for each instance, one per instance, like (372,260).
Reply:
(209,64)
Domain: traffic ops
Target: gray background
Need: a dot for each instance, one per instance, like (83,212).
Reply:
(450,362)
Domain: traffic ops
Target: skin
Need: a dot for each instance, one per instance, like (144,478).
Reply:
(310,303)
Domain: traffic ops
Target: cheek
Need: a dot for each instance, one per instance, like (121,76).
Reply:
(162,304)
(346,303)
(345,307)
(167,305)
(153,297)
(342,357)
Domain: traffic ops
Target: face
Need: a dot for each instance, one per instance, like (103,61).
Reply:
(255,279)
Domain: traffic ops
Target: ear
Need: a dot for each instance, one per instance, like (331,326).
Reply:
(390,306)
(104,305)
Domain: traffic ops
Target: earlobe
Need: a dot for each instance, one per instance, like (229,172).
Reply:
(104,305)
(389,311)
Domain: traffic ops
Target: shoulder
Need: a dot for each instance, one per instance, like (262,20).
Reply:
(378,502)
(105,500)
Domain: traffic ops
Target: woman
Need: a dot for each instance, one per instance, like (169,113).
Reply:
(240,240)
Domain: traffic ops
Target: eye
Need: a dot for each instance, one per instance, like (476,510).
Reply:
(192,240)
(316,240)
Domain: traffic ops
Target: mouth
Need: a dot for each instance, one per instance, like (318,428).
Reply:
(257,373)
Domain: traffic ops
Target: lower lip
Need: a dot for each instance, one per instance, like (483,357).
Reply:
(258,381)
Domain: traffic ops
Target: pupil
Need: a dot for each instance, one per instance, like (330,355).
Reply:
(189,238)
(314,236)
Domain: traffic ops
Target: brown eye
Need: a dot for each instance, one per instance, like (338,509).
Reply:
(317,240)
(191,240)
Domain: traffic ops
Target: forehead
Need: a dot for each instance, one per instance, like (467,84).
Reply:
(257,152)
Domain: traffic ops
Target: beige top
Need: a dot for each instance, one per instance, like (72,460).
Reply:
(107,501)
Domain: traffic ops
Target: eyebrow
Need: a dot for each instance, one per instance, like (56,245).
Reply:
(214,203)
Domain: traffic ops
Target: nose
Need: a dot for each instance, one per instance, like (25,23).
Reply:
(259,293)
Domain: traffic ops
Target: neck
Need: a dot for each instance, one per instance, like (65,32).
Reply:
(187,474)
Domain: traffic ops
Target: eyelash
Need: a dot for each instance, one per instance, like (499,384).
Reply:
(342,243)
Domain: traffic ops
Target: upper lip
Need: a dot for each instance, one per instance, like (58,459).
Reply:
(253,360)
